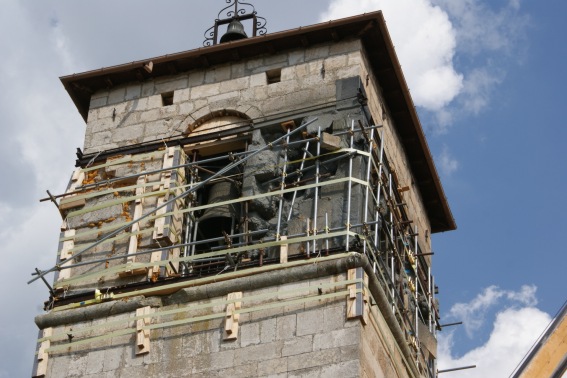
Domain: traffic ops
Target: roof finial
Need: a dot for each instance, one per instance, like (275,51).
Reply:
(233,14)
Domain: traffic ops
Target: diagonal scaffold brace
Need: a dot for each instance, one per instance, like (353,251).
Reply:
(40,274)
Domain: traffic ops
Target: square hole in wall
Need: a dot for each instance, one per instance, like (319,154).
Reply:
(274,76)
(167,98)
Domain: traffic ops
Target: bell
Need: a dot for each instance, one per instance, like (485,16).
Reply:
(217,219)
(234,32)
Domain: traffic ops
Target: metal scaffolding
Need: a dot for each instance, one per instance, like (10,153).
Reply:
(376,225)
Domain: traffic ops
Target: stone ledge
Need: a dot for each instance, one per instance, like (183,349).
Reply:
(101,310)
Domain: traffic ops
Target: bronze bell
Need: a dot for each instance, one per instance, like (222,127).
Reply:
(234,32)
(217,219)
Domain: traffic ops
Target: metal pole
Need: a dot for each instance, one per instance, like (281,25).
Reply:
(358,131)
(192,244)
(349,185)
(195,231)
(417,310)
(298,179)
(433,306)
(316,198)
(80,189)
(189,217)
(455,369)
(366,194)
(302,170)
(197,242)
(379,191)
(450,324)
(393,278)
(173,200)
(327,231)
(392,240)
(429,299)
(308,244)
(211,160)
(282,185)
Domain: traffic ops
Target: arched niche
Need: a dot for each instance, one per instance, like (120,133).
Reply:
(218,125)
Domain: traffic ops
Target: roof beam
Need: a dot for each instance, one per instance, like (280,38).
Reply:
(172,68)
(82,88)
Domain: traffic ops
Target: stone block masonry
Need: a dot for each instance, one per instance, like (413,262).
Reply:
(316,340)
(256,209)
(136,113)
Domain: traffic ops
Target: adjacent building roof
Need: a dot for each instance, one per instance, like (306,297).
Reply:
(370,28)
(548,356)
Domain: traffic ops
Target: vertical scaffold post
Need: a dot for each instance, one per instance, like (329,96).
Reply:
(282,184)
(326,232)
(305,149)
(189,218)
(195,229)
(417,310)
(429,291)
(379,192)
(349,194)
(393,277)
(366,192)
(433,313)
(316,198)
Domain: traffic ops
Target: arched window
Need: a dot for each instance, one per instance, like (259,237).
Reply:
(222,127)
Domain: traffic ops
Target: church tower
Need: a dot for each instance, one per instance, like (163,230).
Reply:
(260,206)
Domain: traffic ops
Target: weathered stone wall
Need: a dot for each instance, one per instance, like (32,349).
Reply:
(380,356)
(135,113)
(300,339)
(397,158)
(105,206)
(297,340)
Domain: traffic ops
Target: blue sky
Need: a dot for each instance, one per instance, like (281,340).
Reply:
(488,78)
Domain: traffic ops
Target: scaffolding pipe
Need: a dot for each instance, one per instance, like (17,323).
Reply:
(416,285)
(211,160)
(379,189)
(349,194)
(308,244)
(393,279)
(358,131)
(298,179)
(195,231)
(195,243)
(301,170)
(455,369)
(82,188)
(429,300)
(366,191)
(192,244)
(326,232)
(434,312)
(282,185)
(316,198)
(173,200)
(392,240)
(189,217)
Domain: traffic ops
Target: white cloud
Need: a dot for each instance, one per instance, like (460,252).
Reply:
(430,34)
(481,28)
(514,332)
(473,313)
(425,43)
(478,87)
(40,130)
(447,163)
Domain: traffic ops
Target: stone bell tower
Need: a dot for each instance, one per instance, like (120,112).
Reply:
(261,206)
